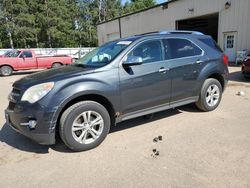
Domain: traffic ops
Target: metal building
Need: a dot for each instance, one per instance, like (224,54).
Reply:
(227,21)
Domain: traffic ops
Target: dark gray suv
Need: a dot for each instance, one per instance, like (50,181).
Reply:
(120,80)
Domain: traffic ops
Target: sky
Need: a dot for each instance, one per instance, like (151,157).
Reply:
(160,1)
(157,1)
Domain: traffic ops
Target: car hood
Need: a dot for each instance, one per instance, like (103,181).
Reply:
(52,75)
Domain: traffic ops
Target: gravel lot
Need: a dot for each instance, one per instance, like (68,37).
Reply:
(198,149)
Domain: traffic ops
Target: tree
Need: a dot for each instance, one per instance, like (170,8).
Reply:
(58,23)
(7,21)
(25,26)
(135,5)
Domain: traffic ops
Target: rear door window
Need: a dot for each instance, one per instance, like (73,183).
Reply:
(211,43)
(180,48)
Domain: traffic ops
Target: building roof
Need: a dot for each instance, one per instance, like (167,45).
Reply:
(164,5)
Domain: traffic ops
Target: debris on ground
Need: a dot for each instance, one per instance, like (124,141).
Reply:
(155,153)
(241,93)
(158,138)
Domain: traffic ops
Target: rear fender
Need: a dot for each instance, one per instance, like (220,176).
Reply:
(212,67)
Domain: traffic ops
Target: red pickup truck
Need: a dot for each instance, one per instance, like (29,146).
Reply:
(16,60)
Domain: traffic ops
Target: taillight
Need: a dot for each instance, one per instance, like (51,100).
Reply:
(225,59)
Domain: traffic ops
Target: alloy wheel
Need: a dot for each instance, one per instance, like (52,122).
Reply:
(6,71)
(213,95)
(87,127)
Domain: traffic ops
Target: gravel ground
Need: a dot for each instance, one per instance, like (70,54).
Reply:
(197,149)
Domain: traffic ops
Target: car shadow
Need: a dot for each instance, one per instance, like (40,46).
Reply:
(128,124)
(237,77)
(143,120)
(233,64)
(189,108)
(20,142)
(24,72)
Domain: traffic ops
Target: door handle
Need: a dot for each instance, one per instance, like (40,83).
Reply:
(163,70)
(199,62)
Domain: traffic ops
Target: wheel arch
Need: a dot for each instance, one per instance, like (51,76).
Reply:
(92,97)
(218,77)
(56,62)
(7,65)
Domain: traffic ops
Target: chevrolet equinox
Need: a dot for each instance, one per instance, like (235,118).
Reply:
(119,80)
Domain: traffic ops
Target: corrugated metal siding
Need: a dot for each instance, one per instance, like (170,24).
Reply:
(248,29)
(106,29)
(236,18)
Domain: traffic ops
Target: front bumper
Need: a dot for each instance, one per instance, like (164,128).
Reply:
(19,114)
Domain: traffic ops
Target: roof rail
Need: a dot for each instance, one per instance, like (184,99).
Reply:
(180,32)
(153,32)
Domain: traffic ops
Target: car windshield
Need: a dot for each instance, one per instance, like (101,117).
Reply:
(12,53)
(103,55)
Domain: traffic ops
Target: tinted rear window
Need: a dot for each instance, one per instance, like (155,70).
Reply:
(211,43)
(179,48)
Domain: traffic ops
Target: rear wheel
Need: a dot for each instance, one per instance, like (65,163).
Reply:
(84,125)
(210,95)
(56,65)
(6,70)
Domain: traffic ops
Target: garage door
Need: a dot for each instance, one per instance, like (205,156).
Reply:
(207,24)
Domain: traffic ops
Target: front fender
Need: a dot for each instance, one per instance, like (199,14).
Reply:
(69,92)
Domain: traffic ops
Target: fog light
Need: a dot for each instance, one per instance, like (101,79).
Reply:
(31,124)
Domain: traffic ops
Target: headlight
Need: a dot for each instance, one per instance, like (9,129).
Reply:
(37,92)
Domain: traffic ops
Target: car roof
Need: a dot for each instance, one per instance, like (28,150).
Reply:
(188,34)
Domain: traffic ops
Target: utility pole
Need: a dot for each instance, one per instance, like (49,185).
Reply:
(47,21)
(102,10)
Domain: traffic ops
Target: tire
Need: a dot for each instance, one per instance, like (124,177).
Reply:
(6,70)
(82,138)
(56,65)
(210,95)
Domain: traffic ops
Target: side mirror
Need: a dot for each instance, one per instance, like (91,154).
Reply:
(132,61)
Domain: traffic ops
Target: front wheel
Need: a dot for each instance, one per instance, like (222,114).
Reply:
(210,95)
(6,70)
(84,125)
